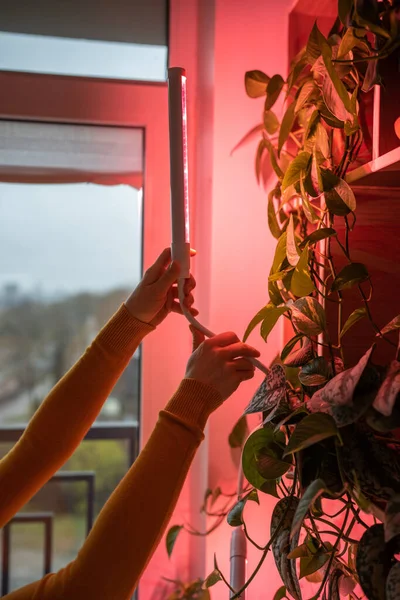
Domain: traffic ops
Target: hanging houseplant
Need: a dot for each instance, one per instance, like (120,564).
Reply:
(327,441)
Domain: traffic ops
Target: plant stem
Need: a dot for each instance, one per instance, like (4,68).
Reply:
(268,545)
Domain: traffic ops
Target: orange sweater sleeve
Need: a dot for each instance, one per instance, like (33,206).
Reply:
(134,519)
(63,419)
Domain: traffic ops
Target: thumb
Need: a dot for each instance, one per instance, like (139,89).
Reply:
(198,337)
(168,277)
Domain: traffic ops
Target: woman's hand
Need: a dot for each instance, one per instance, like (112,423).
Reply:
(156,295)
(220,362)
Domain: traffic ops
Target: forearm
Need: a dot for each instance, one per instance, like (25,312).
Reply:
(67,413)
(134,519)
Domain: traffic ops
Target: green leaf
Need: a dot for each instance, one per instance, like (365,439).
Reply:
(317,236)
(355,316)
(308,316)
(270,465)
(393,583)
(371,76)
(296,70)
(311,564)
(322,141)
(235,515)
(274,88)
(326,52)
(286,126)
(271,122)
(315,372)
(392,518)
(311,430)
(302,284)
(305,92)
(314,490)
(312,125)
(300,357)
(299,552)
(261,148)
(280,254)
(260,316)
(280,275)
(270,320)
(385,399)
(350,275)
(293,172)
(172,535)
(279,594)
(239,433)
(338,397)
(249,136)
(272,220)
(274,160)
(274,293)
(313,50)
(347,43)
(259,439)
(344,9)
(392,325)
(290,345)
(256,83)
(346,194)
(213,578)
(309,211)
(292,253)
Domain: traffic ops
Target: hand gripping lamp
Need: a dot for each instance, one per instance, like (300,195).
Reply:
(180,246)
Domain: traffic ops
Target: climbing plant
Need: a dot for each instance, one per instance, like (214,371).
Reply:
(326,447)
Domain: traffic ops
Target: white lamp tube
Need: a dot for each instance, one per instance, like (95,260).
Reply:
(180,247)
(238,561)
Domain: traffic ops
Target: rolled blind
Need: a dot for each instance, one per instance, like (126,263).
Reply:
(53,153)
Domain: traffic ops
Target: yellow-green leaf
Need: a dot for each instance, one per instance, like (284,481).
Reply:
(294,170)
(270,320)
(274,88)
(286,126)
(355,316)
(292,253)
(172,535)
(256,83)
(302,284)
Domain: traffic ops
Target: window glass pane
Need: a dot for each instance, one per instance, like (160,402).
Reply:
(79,57)
(69,255)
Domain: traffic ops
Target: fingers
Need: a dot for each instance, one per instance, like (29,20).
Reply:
(190,284)
(176,308)
(244,375)
(168,278)
(198,337)
(241,364)
(224,339)
(239,349)
(154,272)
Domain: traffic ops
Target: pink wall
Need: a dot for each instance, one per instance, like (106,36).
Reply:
(247,36)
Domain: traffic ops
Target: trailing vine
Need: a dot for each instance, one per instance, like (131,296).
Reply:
(326,448)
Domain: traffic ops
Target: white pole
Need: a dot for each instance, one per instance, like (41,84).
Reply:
(180,246)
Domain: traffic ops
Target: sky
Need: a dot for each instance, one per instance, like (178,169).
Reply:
(68,238)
